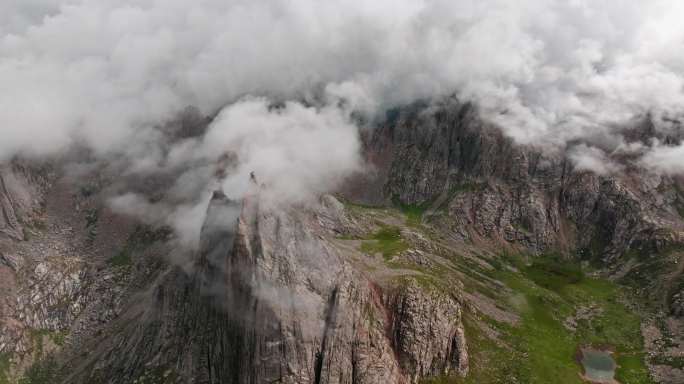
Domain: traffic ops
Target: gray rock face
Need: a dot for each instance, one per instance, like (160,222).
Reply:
(21,193)
(477,184)
(271,299)
(9,225)
(29,289)
(424,335)
(319,320)
(55,288)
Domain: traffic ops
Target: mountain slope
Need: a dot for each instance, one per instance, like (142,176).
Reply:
(461,252)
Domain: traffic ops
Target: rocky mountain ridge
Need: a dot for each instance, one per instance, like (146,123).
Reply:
(333,292)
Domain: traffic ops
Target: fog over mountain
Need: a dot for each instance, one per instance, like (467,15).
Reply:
(341,191)
(108,74)
(100,72)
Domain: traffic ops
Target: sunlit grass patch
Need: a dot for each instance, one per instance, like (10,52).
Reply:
(546,291)
(386,241)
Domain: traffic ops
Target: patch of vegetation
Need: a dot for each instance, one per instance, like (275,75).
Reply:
(489,361)
(428,282)
(38,337)
(541,349)
(31,228)
(39,225)
(414,212)
(547,290)
(43,371)
(57,337)
(431,278)
(37,340)
(563,290)
(157,375)
(122,258)
(631,368)
(92,216)
(672,361)
(645,277)
(521,226)
(386,241)
(553,273)
(476,277)
(142,238)
(5,365)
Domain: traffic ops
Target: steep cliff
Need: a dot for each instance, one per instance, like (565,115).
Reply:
(272,298)
(463,177)
(469,245)
(466,175)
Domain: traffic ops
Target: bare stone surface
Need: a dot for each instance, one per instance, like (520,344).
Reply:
(281,295)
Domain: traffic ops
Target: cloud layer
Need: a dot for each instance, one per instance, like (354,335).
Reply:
(107,73)
(549,70)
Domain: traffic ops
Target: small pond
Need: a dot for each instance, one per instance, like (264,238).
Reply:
(599,366)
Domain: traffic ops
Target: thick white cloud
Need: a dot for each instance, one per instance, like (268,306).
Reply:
(297,152)
(104,72)
(16,16)
(294,152)
(666,159)
(97,70)
(592,159)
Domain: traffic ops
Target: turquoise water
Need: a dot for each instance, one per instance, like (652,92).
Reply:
(599,366)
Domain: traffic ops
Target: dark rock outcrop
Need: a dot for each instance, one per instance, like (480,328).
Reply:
(273,296)
(478,184)
(269,299)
